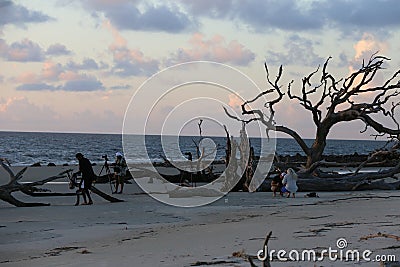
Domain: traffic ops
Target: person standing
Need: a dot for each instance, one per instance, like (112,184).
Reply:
(119,172)
(289,181)
(88,176)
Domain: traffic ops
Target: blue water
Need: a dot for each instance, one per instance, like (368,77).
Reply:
(23,148)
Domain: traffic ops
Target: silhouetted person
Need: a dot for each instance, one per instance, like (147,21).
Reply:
(119,172)
(85,168)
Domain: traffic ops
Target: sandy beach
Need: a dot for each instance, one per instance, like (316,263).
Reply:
(144,232)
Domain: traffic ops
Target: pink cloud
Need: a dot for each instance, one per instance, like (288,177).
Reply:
(69,76)
(234,101)
(128,61)
(368,45)
(24,51)
(6,103)
(27,77)
(214,49)
(118,41)
(363,49)
(50,72)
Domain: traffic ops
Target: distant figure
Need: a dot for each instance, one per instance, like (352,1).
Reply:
(289,181)
(119,172)
(88,176)
(283,189)
(276,185)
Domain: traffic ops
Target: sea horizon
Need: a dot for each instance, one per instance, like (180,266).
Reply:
(27,148)
(109,133)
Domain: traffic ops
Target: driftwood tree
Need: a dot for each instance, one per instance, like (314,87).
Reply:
(331,101)
(31,188)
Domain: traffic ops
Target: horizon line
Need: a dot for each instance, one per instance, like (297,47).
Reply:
(114,133)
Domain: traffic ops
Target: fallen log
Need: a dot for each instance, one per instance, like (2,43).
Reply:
(331,185)
(31,189)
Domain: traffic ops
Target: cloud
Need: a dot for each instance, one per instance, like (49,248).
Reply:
(6,103)
(362,14)
(28,51)
(128,15)
(129,62)
(121,87)
(235,101)
(367,46)
(364,49)
(87,64)
(36,87)
(282,14)
(88,84)
(58,50)
(55,72)
(300,51)
(12,13)
(50,72)
(133,63)
(82,83)
(23,51)
(19,113)
(214,49)
(210,8)
(295,16)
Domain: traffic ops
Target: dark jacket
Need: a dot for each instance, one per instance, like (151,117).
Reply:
(85,167)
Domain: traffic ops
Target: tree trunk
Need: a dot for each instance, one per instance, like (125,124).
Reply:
(318,147)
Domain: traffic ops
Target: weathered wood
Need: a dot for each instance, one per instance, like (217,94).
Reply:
(30,188)
(379,234)
(266,262)
(331,101)
(104,195)
(331,185)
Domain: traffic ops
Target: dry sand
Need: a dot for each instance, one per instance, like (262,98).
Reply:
(144,232)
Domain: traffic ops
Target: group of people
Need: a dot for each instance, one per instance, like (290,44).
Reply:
(88,176)
(285,183)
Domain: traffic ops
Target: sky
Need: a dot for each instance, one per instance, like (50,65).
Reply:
(74,66)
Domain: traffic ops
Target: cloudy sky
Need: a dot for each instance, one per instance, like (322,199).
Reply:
(73,66)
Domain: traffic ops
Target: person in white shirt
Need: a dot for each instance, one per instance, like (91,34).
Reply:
(289,181)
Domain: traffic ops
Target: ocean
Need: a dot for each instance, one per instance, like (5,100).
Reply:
(26,148)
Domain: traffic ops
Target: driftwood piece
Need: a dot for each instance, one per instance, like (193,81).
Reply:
(13,185)
(30,189)
(104,195)
(379,234)
(343,184)
(325,181)
(266,262)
